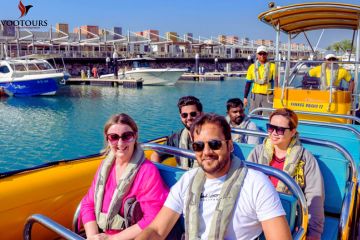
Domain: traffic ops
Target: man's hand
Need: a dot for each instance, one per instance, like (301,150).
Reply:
(245,102)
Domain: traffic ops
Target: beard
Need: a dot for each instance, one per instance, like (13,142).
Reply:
(239,120)
(215,166)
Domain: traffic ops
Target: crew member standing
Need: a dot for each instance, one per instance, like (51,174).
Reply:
(260,77)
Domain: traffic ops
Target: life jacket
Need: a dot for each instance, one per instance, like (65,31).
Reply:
(225,206)
(239,138)
(112,219)
(293,165)
(266,76)
(184,142)
(323,77)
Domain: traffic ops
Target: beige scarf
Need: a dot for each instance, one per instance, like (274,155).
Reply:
(225,205)
(293,157)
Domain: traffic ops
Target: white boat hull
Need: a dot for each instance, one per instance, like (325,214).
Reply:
(156,76)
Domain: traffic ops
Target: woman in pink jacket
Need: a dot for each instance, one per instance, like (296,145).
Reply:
(124,176)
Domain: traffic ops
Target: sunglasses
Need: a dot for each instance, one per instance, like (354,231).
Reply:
(262,53)
(279,130)
(214,144)
(125,137)
(185,115)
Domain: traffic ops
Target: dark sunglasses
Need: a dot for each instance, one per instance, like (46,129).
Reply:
(262,53)
(214,144)
(279,130)
(125,137)
(192,114)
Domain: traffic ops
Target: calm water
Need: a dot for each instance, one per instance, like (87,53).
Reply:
(42,129)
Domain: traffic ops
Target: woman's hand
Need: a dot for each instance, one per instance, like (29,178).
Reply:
(100,236)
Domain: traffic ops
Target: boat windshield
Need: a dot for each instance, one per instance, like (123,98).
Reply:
(32,67)
(142,64)
(306,74)
(18,67)
(44,66)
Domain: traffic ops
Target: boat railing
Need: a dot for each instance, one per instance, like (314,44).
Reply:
(350,193)
(313,141)
(349,117)
(49,224)
(322,124)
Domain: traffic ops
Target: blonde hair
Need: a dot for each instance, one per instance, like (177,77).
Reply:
(121,118)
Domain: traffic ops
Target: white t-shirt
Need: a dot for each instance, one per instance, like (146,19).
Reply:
(259,201)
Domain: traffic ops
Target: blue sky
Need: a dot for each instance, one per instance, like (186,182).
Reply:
(200,17)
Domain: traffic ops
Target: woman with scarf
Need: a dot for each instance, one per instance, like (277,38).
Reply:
(283,150)
(127,191)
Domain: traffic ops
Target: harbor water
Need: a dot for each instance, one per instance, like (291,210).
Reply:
(37,130)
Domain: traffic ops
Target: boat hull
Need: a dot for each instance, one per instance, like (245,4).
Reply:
(314,101)
(53,191)
(32,87)
(156,76)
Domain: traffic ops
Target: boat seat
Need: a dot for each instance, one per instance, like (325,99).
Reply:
(310,82)
(335,171)
(330,228)
(171,174)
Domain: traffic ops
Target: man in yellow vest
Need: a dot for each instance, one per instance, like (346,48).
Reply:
(221,199)
(260,77)
(334,78)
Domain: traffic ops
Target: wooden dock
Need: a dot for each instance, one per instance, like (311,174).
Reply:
(126,83)
(211,76)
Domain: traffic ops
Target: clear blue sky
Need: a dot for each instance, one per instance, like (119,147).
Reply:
(200,17)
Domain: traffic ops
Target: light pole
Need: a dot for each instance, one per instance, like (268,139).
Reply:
(216,65)
(115,58)
(197,63)
(107,60)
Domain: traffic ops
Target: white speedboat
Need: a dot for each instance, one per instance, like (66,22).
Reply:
(151,76)
(29,77)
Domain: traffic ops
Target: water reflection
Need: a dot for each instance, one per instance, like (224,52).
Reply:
(70,124)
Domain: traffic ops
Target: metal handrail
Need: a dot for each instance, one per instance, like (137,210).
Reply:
(75,225)
(313,141)
(346,209)
(322,124)
(261,109)
(282,176)
(49,224)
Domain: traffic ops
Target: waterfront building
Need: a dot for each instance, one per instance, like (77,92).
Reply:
(62,27)
(151,34)
(91,41)
(232,39)
(171,36)
(189,37)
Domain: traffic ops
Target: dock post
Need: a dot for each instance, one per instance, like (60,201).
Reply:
(115,58)
(197,63)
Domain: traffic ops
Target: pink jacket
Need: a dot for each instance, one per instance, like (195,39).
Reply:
(148,188)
